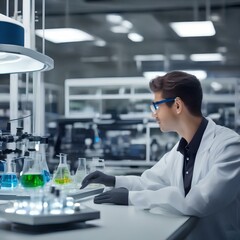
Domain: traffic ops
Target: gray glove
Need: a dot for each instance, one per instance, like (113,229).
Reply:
(117,196)
(98,177)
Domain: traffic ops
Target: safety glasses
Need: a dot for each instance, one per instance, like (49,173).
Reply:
(155,105)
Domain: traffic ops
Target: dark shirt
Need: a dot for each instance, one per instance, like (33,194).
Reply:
(189,152)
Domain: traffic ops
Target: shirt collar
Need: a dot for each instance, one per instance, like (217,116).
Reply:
(193,146)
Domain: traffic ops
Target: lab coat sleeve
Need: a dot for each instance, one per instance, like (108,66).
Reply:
(217,189)
(153,178)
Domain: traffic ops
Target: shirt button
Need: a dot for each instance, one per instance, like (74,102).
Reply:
(187,158)
(186,172)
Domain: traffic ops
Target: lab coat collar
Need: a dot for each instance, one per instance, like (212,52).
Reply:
(203,151)
(208,136)
(193,146)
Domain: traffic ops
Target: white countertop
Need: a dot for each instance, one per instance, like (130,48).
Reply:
(115,223)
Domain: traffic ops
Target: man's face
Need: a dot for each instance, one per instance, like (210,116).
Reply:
(164,115)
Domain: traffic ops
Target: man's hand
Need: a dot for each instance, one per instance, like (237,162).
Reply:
(98,177)
(116,195)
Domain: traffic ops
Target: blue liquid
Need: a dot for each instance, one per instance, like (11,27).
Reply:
(46,176)
(9,180)
(1,178)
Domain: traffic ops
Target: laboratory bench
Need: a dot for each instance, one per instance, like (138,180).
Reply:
(116,222)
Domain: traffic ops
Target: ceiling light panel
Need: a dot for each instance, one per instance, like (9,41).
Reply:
(149,57)
(119,29)
(207,57)
(200,74)
(193,29)
(114,18)
(135,37)
(64,35)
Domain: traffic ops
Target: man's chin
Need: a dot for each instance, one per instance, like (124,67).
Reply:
(163,129)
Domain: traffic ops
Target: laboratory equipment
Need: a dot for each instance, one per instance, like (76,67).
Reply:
(62,175)
(2,170)
(81,170)
(24,215)
(32,175)
(9,178)
(42,150)
(56,206)
(97,164)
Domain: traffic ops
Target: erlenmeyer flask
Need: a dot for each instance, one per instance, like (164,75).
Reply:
(9,178)
(42,150)
(81,171)
(32,175)
(62,175)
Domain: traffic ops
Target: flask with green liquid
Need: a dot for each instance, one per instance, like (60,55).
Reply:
(62,175)
(32,174)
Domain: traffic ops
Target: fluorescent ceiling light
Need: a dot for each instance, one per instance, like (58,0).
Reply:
(114,18)
(193,29)
(206,57)
(126,24)
(119,29)
(178,57)
(216,86)
(100,43)
(149,57)
(64,35)
(118,24)
(150,75)
(135,37)
(200,74)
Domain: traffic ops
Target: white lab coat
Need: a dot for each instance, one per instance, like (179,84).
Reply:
(215,189)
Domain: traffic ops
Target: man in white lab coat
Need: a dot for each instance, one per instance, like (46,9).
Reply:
(199,177)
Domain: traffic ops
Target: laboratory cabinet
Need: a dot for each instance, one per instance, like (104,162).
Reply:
(130,97)
(111,118)
(132,142)
(221,101)
(125,97)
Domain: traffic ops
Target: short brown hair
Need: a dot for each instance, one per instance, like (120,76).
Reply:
(180,84)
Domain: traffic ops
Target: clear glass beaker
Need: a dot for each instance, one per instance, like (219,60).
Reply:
(9,178)
(62,174)
(81,171)
(32,174)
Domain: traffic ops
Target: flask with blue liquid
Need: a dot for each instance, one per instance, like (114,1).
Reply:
(42,150)
(2,170)
(9,178)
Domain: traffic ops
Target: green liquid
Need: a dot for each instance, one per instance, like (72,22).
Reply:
(32,180)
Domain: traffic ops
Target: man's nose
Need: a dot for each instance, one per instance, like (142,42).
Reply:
(154,115)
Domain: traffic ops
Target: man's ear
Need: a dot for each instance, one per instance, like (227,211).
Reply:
(178,105)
